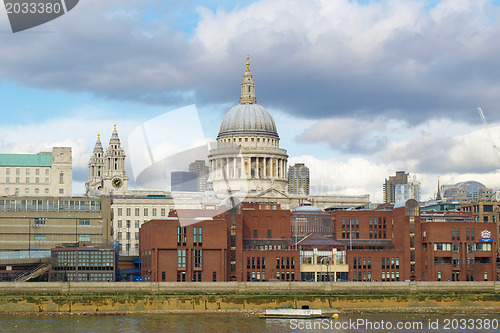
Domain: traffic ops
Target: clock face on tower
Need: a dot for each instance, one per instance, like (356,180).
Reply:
(117,182)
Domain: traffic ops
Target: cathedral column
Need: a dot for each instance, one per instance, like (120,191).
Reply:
(265,167)
(257,167)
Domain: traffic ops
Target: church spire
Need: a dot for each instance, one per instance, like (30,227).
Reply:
(248,87)
(438,195)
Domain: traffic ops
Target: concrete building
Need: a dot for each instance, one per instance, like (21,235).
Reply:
(202,171)
(468,191)
(410,190)
(82,261)
(298,179)
(248,242)
(34,223)
(46,174)
(390,186)
(183,181)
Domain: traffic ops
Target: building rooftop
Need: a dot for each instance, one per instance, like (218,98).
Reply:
(26,160)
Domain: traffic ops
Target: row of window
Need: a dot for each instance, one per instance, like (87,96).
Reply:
(392,264)
(256,262)
(27,171)
(128,224)
(455,247)
(42,237)
(256,234)
(128,235)
(285,262)
(17,190)
(362,263)
(256,276)
(27,180)
(49,205)
(181,258)
(350,234)
(350,222)
(137,212)
(381,224)
(380,234)
(469,234)
(197,236)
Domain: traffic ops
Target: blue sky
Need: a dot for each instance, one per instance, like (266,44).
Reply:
(358,89)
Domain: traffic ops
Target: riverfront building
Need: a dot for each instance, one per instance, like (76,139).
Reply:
(405,244)
(244,242)
(46,174)
(82,261)
(35,223)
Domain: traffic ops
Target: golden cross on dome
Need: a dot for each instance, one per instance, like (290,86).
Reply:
(248,64)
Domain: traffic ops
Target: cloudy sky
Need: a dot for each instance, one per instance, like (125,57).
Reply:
(358,89)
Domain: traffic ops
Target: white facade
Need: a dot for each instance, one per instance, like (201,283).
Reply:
(42,174)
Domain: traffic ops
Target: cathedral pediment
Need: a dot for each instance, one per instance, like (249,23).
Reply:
(272,193)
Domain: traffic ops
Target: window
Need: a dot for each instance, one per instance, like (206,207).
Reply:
(145,212)
(61,178)
(181,236)
(18,171)
(136,235)
(455,262)
(137,224)
(214,276)
(383,263)
(197,258)
(84,238)
(129,211)
(472,236)
(37,171)
(119,223)
(27,179)
(128,223)
(154,211)
(128,235)
(137,212)
(47,172)
(119,212)
(7,180)
(39,237)
(119,235)
(40,221)
(255,233)
(163,276)
(61,191)
(162,212)
(84,222)
(268,233)
(181,258)
(7,171)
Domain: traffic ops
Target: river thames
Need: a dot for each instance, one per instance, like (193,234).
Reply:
(239,322)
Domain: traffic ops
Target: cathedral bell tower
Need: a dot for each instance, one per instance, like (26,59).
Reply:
(96,169)
(107,169)
(115,181)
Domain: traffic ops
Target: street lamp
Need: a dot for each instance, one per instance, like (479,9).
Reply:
(65,272)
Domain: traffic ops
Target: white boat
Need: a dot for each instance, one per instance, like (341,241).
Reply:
(293,314)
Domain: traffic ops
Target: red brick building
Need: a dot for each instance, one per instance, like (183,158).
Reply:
(403,244)
(250,242)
